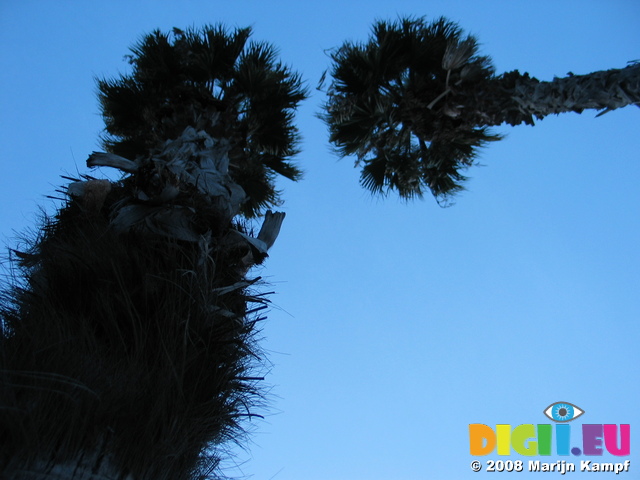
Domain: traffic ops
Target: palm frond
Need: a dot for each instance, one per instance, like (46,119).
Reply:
(212,79)
(391,104)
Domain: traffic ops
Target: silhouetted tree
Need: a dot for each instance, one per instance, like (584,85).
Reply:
(128,333)
(414,103)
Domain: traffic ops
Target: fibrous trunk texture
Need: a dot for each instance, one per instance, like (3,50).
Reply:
(516,98)
(128,335)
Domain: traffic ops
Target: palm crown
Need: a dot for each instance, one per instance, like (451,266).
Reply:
(388,105)
(217,82)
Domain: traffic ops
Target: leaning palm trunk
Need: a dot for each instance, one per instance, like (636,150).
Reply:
(128,346)
(516,98)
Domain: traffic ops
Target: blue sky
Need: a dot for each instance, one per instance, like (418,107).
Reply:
(395,325)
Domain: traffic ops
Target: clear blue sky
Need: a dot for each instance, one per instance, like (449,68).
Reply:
(394,325)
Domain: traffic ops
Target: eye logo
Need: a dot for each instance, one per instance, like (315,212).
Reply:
(563,412)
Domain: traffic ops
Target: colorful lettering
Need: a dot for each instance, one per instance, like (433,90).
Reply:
(530,440)
(611,439)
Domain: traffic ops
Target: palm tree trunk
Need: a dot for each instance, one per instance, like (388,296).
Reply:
(87,466)
(515,98)
(128,339)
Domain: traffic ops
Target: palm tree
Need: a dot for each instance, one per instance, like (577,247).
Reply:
(128,333)
(414,104)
